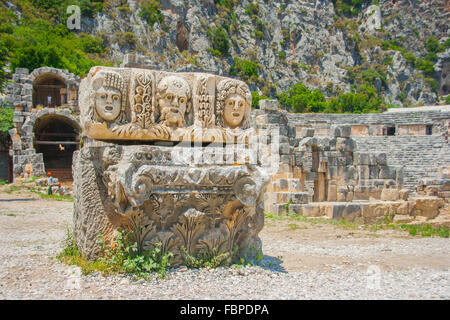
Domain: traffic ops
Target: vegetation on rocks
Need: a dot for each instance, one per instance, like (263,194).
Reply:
(151,12)
(35,40)
(302,45)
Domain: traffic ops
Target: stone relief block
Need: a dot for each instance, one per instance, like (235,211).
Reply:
(136,104)
(149,192)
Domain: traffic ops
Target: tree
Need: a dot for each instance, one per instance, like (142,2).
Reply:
(300,98)
(220,42)
(3,60)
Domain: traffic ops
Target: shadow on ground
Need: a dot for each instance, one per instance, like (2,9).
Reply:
(272,264)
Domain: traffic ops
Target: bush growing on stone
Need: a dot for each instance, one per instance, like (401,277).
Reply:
(447,99)
(121,256)
(299,98)
(151,12)
(220,41)
(244,69)
(426,66)
(6,119)
(255,99)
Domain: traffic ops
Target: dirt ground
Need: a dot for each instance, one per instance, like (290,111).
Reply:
(32,230)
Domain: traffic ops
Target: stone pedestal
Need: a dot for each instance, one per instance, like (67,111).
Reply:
(144,165)
(158,194)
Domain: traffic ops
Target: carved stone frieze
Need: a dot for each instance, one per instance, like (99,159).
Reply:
(135,104)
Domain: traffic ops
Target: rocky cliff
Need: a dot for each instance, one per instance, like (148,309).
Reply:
(400,47)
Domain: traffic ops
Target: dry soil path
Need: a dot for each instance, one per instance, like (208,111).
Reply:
(301,261)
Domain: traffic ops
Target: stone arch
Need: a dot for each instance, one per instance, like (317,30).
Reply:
(56,135)
(52,87)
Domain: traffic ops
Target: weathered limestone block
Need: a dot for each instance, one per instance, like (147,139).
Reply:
(269,105)
(176,191)
(426,206)
(376,212)
(147,190)
(390,194)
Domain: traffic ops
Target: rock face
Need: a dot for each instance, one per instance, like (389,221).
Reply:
(291,41)
(202,199)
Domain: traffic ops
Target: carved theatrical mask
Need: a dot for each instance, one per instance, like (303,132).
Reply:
(108,103)
(108,95)
(233,104)
(234,111)
(173,100)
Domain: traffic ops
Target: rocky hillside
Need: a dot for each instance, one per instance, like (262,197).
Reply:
(400,48)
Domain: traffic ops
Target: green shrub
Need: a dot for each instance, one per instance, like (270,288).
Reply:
(244,69)
(6,119)
(252,9)
(91,44)
(432,44)
(255,99)
(354,103)
(37,43)
(432,83)
(370,75)
(388,61)
(151,12)
(220,41)
(447,99)
(299,98)
(3,61)
(409,57)
(426,66)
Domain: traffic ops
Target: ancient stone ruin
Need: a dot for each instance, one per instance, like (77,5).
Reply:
(358,167)
(145,164)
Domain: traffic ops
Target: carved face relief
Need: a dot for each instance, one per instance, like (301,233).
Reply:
(234,111)
(173,100)
(233,104)
(108,102)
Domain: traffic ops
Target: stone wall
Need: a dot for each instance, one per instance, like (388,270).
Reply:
(421,156)
(421,150)
(19,95)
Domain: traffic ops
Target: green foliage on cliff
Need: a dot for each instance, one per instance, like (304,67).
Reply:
(220,42)
(300,98)
(245,69)
(40,37)
(151,12)
(3,60)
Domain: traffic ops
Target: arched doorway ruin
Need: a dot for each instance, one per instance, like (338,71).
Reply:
(57,137)
(49,90)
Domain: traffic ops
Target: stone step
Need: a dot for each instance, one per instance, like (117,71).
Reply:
(292,197)
(287,185)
